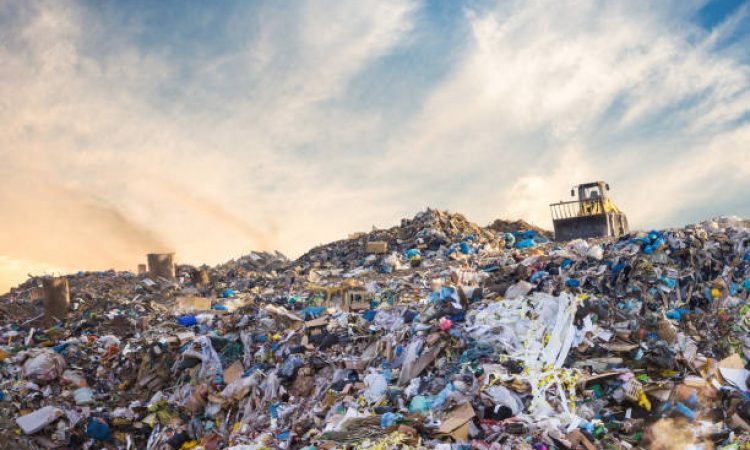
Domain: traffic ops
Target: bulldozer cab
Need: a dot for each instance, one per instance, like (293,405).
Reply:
(593,198)
(592,214)
(590,191)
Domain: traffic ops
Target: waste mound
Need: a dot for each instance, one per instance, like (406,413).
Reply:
(508,226)
(436,333)
(429,229)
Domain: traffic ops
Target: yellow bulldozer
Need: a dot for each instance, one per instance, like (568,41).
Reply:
(593,214)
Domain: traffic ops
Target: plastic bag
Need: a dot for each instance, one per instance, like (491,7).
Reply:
(390,419)
(44,366)
(375,387)
(413,388)
(525,243)
(271,387)
(385,320)
(579,247)
(83,396)
(71,377)
(502,396)
(238,389)
(518,290)
(596,252)
(211,363)
(187,321)
(420,404)
(247,345)
(99,430)
(413,253)
(410,357)
(289,367)
(108,341)
(439,401)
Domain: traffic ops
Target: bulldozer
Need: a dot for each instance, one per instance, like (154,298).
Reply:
(593,214)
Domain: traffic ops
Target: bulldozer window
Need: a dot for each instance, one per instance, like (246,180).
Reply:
(591,193)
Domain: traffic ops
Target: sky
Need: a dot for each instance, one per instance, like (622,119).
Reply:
(213,129)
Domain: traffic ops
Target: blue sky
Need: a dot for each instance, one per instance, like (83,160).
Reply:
(212,129)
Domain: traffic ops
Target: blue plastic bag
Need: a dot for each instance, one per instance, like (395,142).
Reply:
(187,321)
(676,314)
(528,234)
(99,430)
(413,253)
(389,419)
(314,311)
(420,403)
(538,276)
(669,282)
(525,243)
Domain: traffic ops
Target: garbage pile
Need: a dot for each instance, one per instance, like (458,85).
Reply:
(507,226)
(442,335)
(429,230)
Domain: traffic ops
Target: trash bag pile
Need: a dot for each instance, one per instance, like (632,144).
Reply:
(444,335)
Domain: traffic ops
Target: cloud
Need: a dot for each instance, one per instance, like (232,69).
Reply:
(214,131)
(547,95)
(102,165)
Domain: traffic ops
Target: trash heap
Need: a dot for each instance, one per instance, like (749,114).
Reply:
(435,334)
(429,230)
(507,226)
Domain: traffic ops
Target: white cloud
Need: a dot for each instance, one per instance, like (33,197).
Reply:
(550,95)
(113,148)
(103,165)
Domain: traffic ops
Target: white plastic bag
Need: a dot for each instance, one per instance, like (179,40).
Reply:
(46,365)
(502,396)
(375,387)
(211,363)
(518,290)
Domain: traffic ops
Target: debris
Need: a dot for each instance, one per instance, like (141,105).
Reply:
(56,299)
(456,423)
(161,265)
(449,335)
(193,303)
(33,422)
(377,247)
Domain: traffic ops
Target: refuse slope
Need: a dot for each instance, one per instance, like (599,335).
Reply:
(455,336)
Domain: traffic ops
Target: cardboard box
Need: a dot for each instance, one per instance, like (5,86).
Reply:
(377,247)
(233,372)
(456,423)
(192,303)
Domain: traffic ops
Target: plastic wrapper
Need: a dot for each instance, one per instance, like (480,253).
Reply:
(45,365)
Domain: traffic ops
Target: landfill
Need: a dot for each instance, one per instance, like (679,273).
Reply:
(436,333)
